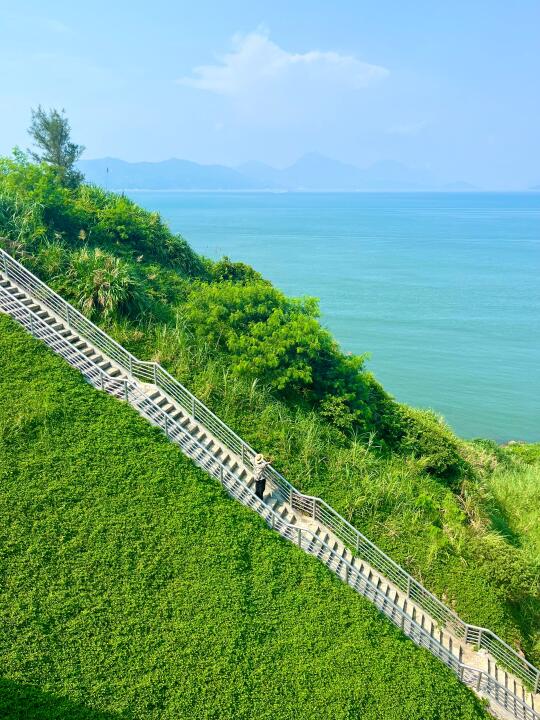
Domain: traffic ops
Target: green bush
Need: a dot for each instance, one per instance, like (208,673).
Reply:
(38,206)
(103,284)
(528,453)
(427,438)
(225,270)
(114,220)
(279,342)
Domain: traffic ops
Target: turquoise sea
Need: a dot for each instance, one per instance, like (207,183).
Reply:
(442,290)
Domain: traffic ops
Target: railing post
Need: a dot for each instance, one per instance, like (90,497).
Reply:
(242,453)
(314,508)
(537,683)
(102,379)
(130,365)
(466,638)
(221,474)
(357,543)
(193,408)
(126,390)
(31,323)
(68,320)
(155,374)
(299,537)
(408,586)
(167,425)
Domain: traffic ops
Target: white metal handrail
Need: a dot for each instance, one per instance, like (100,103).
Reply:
(363,547)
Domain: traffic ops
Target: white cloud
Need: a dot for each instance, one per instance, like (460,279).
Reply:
(257,65)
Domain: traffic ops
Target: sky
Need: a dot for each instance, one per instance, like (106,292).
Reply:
(449,87)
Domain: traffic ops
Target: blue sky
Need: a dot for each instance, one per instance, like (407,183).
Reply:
(452,87)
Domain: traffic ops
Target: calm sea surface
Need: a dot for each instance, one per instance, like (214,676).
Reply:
(442,290)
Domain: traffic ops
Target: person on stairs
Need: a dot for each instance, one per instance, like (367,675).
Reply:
(259,466)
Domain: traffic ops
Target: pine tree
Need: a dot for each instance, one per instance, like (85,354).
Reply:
(51,134)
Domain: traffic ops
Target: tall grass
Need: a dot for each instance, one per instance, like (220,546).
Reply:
(516,490)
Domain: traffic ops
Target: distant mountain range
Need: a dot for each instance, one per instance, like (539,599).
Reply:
(166,175)
(310,172)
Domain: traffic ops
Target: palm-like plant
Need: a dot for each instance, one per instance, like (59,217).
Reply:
(103,284)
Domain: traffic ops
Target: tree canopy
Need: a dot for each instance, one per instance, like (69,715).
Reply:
(51,134)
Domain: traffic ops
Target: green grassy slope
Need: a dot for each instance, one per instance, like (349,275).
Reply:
(133,587)
(263,363)
(515,488)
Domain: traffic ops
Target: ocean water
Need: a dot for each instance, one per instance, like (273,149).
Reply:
(441,290)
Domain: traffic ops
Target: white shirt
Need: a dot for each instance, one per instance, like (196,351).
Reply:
(258,468)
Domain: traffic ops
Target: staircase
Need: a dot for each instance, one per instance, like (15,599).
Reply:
(482,661)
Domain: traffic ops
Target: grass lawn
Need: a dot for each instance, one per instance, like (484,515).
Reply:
(131,586)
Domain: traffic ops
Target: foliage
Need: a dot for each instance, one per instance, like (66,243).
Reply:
(135,587)
(436,530)
(101,283)
(225,270)
(514,498)
(86,216)
(279,341)
(18,222)
(528,453)
(113,220)
(51,134)
(427,438)
(400,475)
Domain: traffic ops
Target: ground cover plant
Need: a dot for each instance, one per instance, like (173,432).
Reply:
(133,587)
(264,363)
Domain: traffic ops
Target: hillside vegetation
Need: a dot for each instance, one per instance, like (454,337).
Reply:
(134,587)
(516,487)
(262,361)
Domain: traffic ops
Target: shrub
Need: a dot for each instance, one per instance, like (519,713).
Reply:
(36,205)
(529,454)
(266,335)
(114,220)
(427,437)
(225,270)
(279,341)
(103,284)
